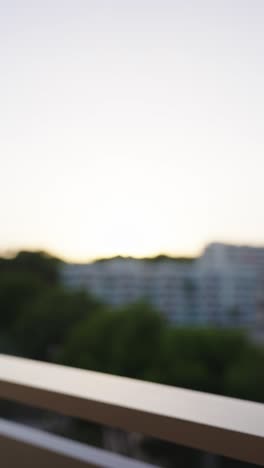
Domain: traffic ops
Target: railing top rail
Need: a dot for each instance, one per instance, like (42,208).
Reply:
(222,425)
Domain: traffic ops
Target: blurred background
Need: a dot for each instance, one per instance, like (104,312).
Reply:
(131,185)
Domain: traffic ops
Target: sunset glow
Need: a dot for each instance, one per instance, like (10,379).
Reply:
(131,128)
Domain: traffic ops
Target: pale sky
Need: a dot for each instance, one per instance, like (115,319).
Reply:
(131,127)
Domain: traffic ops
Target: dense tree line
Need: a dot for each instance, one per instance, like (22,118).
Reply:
(39,319)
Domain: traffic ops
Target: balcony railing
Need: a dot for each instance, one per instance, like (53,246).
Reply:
(215,424)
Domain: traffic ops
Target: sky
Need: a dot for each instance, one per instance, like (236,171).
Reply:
(131,127)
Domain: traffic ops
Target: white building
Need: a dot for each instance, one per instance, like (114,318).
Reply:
(237,274)
(222,287)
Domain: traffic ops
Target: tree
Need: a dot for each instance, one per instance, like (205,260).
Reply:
(22,279)
(198,358)
(124,342)
(245,378)
(16,292)
(137,341)
(41,265)
(42,329)
(89,345)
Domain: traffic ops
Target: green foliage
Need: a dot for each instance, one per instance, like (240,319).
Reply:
(137,341)
(90,343)
(35,312)
(168,258)
(16,291)
(40,320)
(43,327)
(39,264)
(124,342)
(8,344)
(198,358)
(245,378)
(156,259)
(22,279)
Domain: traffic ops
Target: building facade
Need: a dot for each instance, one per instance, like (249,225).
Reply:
(222,287)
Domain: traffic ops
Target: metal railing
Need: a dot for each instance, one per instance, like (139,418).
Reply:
(215,424)
(21,446)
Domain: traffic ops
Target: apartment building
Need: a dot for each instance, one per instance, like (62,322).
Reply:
(223,287)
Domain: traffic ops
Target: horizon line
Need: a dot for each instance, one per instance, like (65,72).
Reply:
(12,252)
